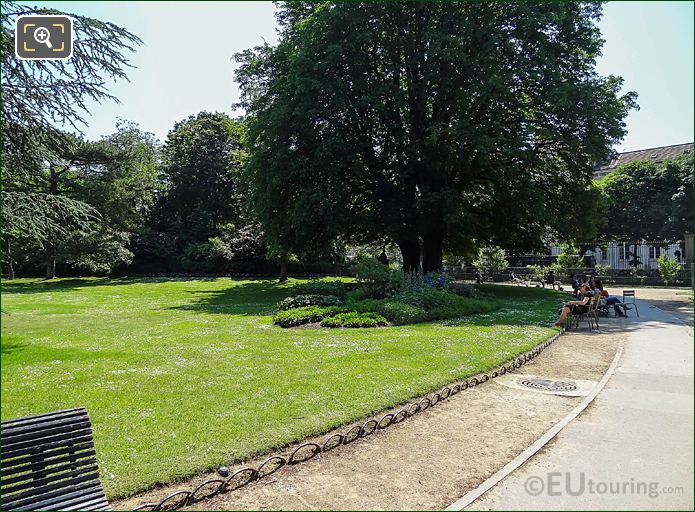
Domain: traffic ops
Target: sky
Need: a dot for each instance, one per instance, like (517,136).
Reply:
(186,63)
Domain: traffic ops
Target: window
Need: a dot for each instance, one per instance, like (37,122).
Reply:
(621,252)
(654,252)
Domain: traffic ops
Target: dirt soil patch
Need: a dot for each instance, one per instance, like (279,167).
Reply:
(430,460)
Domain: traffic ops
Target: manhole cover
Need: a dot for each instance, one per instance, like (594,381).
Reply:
(548,385)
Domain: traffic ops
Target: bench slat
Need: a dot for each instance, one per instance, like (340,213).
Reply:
(12,433)
(60,442)
(43,465)
(51,475)
(16,465)
(95,504)
(40,439)
(57,500)
(87,502)
(36,434)
(39,418)
(49,463)
(50,490)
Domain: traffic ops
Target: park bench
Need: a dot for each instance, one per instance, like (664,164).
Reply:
(591,315)
(49,463)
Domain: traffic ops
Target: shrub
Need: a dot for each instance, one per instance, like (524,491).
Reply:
(568,260)
(317,287)
(301,301)
(377,279)
(428,298)
(538,272)
(399,313)
(354,319)
(464,289)
(601,269)
(490,261)
(414,281)
(394,311)
(668,269)
(305,315)
(462,307)
(426,305)
(359,294)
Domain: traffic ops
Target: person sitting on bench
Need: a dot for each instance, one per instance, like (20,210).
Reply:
(612,300)
(575,282)
(576,307)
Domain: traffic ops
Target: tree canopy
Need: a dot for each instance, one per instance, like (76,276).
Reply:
(432,124)
(203,156)
(40,99)
(646,200)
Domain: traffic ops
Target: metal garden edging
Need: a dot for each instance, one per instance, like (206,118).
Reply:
(309,450)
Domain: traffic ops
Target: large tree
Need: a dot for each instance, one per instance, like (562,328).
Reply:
(40,99)
(428,124)
(83,203)
(202,160)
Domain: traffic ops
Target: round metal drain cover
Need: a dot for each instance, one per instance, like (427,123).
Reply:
(548,385)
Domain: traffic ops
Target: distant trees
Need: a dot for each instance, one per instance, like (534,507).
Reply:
(201,219)
(645,200)
(39,97)
(429,125)
(82,204)
(203,156)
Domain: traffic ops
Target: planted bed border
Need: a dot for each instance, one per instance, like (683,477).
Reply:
(309,450)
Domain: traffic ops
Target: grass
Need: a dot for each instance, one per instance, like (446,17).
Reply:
(182,375)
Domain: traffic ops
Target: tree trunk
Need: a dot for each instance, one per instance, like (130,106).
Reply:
(432,253)
(283,269)
(51,263)
(51,249)
(410,250)
(8,253)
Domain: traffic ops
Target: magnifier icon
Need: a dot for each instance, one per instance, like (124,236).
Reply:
(42,35)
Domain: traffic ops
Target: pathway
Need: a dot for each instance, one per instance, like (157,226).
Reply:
(633,449)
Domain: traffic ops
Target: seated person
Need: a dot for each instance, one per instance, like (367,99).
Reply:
(612,300)
(575,283)
(514,278)
(598,284)
(576,307)
(549,279)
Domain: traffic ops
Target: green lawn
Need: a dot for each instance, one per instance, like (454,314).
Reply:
(182,375)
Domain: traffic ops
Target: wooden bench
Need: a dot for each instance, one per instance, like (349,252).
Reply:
(49,463)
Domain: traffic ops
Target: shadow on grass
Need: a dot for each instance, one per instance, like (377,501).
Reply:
(33,353)
(9,347)
(243,297)
(70,284)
